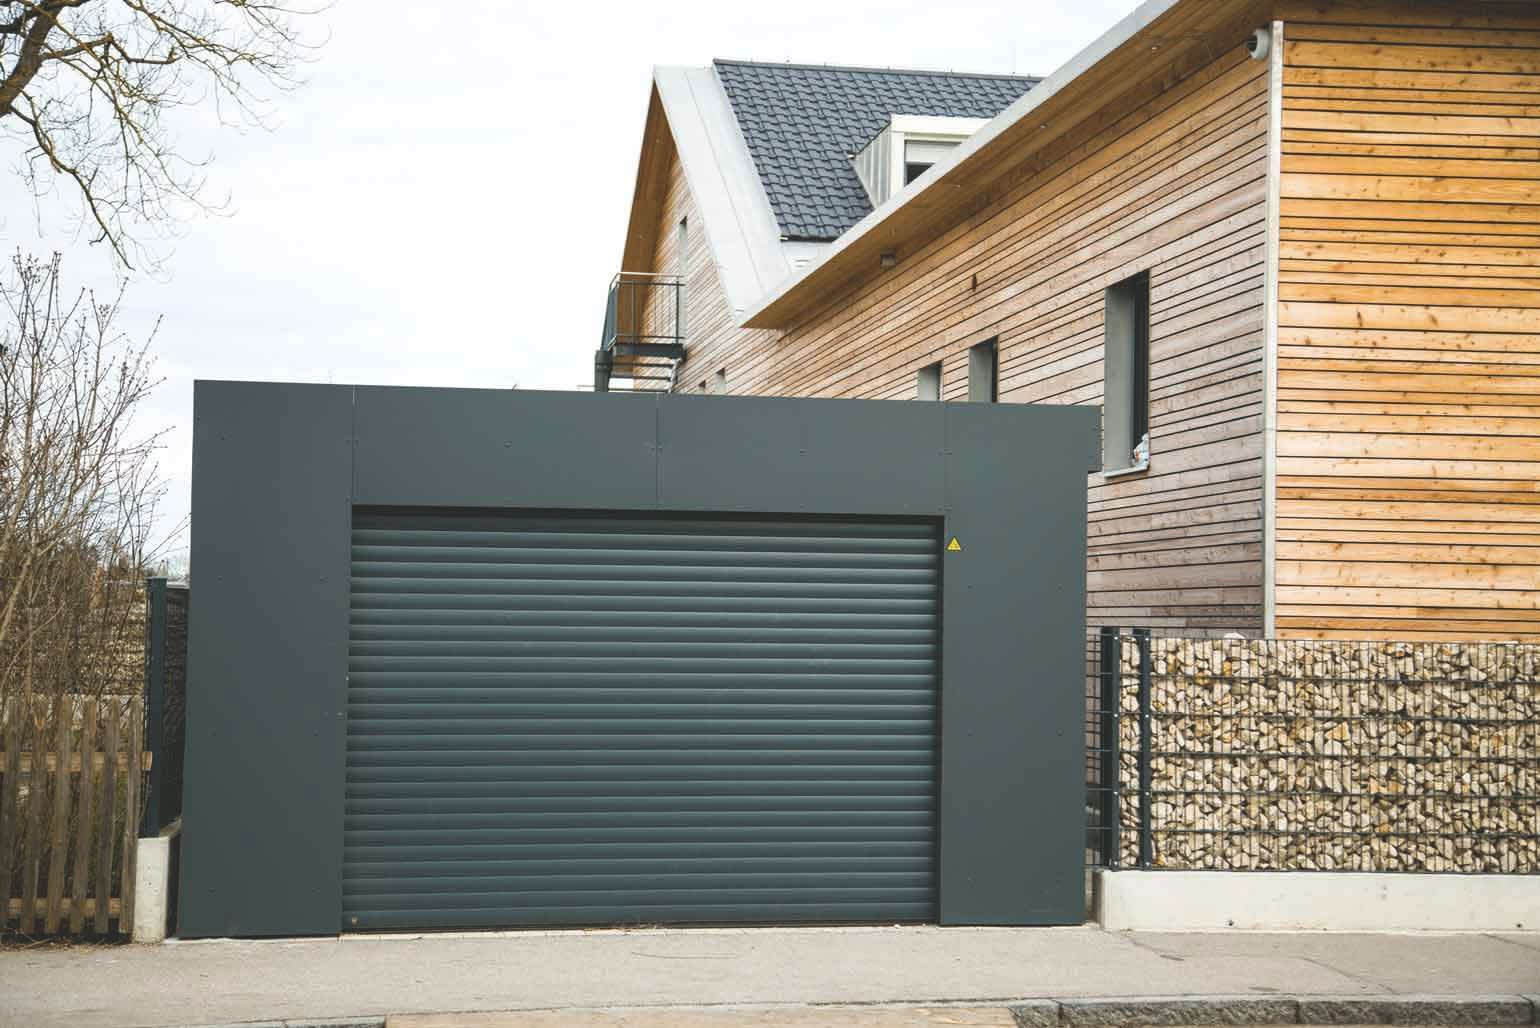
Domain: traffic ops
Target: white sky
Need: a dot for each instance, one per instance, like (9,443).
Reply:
(444,201)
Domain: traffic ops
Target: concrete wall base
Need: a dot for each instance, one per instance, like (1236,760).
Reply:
(152,888)
(1296,900)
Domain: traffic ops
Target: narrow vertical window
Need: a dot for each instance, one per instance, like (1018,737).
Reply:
(927,382)
(681,272)
(1126,370)
(983,373)
(719,381)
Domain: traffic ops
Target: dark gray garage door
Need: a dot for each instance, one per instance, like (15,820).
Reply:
(601,720)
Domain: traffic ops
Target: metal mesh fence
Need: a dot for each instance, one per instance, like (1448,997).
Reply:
(1313,755)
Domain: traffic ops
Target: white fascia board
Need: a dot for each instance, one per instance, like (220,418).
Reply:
(1122,32)
(740,227)
(935,125)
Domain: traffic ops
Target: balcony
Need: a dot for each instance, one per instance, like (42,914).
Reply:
(643,332)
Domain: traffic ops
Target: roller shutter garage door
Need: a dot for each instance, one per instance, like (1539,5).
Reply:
(583,719)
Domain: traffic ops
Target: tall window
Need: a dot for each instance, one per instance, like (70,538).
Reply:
(983,373)
(681,271)
(1126,368)
(719,382)
(927,382)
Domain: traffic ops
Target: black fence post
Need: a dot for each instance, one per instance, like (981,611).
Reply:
(679,310)
(154,700)
(1146,835)
(1110,654)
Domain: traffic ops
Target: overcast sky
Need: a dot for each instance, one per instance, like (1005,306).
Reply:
(444,201)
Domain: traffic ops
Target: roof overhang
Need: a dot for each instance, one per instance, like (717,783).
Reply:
(1162,40)
(689,115)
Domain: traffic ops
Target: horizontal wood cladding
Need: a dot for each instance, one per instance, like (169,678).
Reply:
(710,328)
(1409,323)
(1173,184)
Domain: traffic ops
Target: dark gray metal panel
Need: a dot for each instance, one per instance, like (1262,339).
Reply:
(267,653)
(505,448)
(1010,481)
(1012,762)
(761,453)
(600,719)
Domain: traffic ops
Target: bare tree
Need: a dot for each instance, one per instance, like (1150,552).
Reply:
(85,87)
(78,488)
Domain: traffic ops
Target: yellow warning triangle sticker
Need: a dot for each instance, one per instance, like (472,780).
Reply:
(954,546)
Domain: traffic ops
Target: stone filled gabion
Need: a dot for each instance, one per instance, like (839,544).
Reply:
(1328,755)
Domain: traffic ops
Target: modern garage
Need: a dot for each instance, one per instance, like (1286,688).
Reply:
(499,659)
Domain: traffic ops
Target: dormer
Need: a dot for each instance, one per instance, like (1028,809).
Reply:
(905,149)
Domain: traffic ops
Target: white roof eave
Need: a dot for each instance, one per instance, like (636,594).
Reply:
(740,227)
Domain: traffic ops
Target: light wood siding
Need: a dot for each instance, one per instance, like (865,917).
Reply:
(1409,323)
(711,332)
(1172,183)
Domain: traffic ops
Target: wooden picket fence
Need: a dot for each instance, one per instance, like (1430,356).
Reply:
(71,785)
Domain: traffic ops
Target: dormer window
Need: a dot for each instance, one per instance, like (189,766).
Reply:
(920,152)
(907,148)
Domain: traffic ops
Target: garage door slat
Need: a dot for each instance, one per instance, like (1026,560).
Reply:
(594,719)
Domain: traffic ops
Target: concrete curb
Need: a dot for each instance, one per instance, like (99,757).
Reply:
(325,1022)
(1271,1010)
(1426,1010)
(1196,1011)
(1201,1010)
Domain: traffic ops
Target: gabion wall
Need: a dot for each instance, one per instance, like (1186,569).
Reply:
(1306,755)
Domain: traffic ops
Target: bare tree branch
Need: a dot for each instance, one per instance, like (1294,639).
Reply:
(77,484)
(86,87)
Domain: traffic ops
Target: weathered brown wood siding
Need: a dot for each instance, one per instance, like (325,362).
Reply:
(1409,322)
(1172,184)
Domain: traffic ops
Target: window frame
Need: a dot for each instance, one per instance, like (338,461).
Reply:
(977,365)
(930,375)
(1127,311)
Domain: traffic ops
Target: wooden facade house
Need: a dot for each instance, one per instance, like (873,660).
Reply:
(1291,246)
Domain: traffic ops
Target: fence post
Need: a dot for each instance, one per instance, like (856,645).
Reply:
(154,699)
(1111,656)
(1146,836)
(679,311)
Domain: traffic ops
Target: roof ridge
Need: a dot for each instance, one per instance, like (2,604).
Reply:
(867,69)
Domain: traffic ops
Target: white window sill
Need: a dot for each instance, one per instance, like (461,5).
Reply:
(1122,472)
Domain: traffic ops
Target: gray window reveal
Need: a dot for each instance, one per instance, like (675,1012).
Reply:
(983,375)
(927,382)
(1125,409)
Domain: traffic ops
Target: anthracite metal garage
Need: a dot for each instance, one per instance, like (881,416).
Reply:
(491,658)
(599,719)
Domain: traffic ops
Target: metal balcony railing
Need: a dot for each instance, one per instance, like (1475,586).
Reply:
(644,322)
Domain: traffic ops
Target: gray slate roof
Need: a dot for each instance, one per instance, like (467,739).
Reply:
(803,122)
